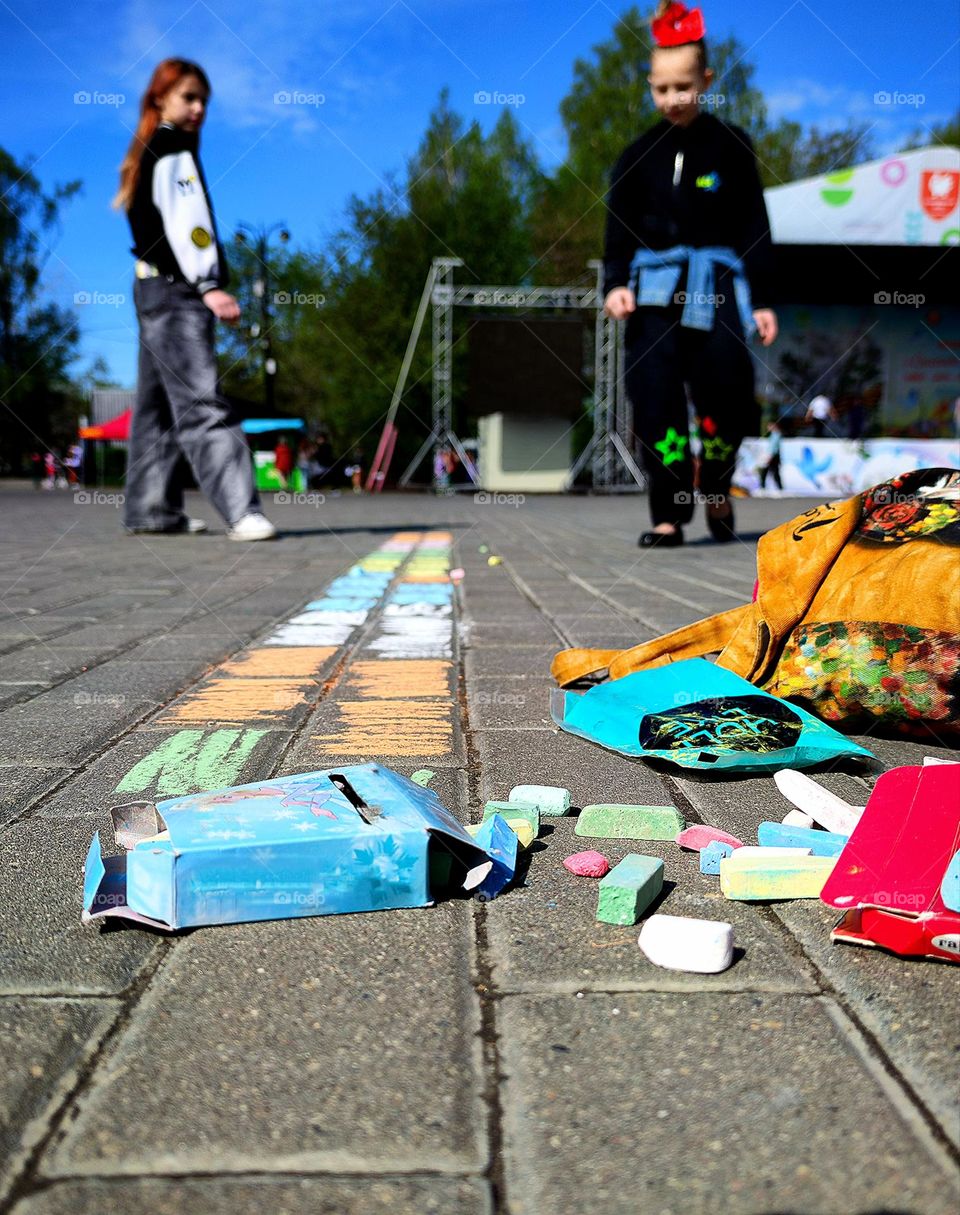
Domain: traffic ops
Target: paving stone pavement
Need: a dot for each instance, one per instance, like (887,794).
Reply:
(514,1057)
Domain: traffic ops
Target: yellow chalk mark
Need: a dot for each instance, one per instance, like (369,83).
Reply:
(424,578)
(398,678)
(390,727)
(238,700)
(279,661)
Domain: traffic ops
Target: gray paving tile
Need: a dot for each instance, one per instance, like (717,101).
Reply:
(544,935)
(21,785)
(43,1044)
(507,634)
(551,758)
(509,661)
(342,1042)
(910,1006)
(276,1195)
(702,1103)
(509,704)
(43,947)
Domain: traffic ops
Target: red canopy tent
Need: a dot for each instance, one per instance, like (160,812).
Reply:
(117,429)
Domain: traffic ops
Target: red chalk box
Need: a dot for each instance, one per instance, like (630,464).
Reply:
(887,879)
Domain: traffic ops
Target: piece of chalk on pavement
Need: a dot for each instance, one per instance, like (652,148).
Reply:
(629,889)
(513,810)
(712,855)
(950,886)
(820,843)
(678,942)
(797,818)
(772,876)
(698,837)
(588,864)
(524,831)
(776,850)
(829,810)
(546,798)
(629,822)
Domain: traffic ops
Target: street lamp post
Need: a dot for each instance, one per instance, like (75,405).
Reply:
(258,239)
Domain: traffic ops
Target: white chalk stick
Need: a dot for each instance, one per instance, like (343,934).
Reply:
(678,942)
(797,818)
(774,850)
(825,807)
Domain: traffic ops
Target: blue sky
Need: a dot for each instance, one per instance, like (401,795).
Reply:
(362,78)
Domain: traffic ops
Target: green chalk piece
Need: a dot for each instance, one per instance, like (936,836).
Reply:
(423,777)
(630,822)
(629,889)
(546,798)
(512,810)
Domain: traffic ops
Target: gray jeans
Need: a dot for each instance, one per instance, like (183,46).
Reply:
(179,408)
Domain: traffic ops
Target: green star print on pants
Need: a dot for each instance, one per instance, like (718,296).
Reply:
(671,447)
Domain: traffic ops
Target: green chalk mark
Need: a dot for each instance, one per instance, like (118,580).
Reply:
(187,762)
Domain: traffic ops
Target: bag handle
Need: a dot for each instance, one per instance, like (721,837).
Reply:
(691,641)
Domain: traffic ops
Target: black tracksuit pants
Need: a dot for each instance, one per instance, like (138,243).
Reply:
(661,357)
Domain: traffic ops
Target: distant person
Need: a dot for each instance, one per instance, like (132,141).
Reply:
(49,470)
(323,457)
(72,461)
(283,461)
(820,411)
(688,263)
(772,466)
(179,293)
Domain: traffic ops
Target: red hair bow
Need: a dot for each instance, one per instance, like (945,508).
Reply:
(678,26)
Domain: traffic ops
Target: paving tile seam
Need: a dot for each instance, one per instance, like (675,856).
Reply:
(654,986)
(897,1090)
(23,1182)
(295,1165)
(598,545)
(117,655)
(870,1050)
(484,985)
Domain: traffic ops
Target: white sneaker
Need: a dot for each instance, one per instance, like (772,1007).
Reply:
(252,527)
(194,527)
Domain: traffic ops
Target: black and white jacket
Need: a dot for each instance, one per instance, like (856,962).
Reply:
(171,216)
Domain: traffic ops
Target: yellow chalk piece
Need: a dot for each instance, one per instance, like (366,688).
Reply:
(239,700)
(524,831)
(278,661)
(774,877)
(381,728)
(400,678)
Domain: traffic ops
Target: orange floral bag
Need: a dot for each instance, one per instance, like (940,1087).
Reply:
(856,615)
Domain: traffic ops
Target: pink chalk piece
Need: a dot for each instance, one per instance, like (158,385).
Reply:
(698,837)
(588,864)
(458,574)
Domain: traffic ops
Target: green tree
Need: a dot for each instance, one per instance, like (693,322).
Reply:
(38,341)
(940,133)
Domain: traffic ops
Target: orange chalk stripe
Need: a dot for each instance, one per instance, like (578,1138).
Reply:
(240,700)
(279,661)
(394,728)
(399,678)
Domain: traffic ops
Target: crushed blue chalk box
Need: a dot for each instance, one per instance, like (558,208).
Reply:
(359,838)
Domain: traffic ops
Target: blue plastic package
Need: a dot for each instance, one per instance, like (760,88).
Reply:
(698,715)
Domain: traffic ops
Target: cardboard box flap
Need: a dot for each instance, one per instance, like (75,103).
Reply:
(135,821)
(898,853)
(105,889)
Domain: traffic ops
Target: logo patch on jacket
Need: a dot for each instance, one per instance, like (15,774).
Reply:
(201,238)
(187,185)
(709,182)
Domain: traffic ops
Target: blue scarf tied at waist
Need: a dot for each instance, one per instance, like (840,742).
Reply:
(655,273)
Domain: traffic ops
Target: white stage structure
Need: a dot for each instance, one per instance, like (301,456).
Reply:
(612,464)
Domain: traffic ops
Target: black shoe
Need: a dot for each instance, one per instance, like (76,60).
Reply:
(722,529)
(662,539)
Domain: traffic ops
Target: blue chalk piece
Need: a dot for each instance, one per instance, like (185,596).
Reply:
(712,855)
(783,835)
(950,886)
(499,841)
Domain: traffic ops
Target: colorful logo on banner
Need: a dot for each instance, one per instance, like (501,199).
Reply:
(939,192)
